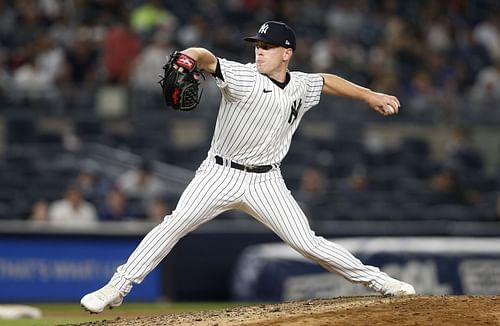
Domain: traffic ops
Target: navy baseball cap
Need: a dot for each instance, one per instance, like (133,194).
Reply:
(277,33)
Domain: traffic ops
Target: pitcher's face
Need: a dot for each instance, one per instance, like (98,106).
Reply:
(270,58)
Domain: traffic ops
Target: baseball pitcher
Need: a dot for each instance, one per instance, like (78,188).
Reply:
(262,105)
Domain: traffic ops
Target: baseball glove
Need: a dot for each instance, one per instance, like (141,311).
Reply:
(180,82)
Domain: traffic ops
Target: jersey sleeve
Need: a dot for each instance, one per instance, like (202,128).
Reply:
(238,79)
(314,86)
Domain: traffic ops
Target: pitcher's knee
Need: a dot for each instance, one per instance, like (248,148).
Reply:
(182,221)
(307,246)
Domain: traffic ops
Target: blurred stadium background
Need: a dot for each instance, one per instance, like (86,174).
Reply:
(82,119)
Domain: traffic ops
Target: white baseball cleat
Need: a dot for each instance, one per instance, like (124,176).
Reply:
(395,288)
(96,301)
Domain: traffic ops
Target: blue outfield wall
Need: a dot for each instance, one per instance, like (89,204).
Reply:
(44,265)
(64,268)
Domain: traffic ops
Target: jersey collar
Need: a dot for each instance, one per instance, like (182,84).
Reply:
(281,85)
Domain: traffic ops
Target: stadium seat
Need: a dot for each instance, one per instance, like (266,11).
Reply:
(383,210)
(453,212)
(21,130)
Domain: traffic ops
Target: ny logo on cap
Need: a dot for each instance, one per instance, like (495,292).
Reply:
(263,29)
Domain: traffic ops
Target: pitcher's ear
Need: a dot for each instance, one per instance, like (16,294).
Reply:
(287,54)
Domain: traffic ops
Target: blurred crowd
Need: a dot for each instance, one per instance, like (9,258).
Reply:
(403,183)
(439,57)
(92,196)
(432,52)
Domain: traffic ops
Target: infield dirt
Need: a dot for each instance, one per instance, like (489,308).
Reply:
(367,310)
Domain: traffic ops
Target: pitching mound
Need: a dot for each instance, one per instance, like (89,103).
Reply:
(369,310)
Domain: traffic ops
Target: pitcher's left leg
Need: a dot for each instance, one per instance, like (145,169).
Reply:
(272,204)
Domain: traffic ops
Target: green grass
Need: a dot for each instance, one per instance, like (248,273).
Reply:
(69,313)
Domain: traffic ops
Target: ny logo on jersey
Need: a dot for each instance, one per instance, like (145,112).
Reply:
(294,111)
(263,29)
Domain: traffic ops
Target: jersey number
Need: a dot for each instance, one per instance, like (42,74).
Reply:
(294,111)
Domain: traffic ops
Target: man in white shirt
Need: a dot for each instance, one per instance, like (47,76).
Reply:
(72,210)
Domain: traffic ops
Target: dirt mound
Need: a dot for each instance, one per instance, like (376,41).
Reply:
(368,310)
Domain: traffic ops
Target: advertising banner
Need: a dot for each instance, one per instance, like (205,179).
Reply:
(435,266)
(61,268)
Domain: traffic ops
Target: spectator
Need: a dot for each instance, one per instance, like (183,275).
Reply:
(50,57)
(31,82)
(72,209)
(472,54)
(93,184)
(115,207)
(157,209)
(314,181)
(423,96)
(140,183)
(345,18)
(79,76)
(486,88)
(313,188)
(150,15)
(355,182)
(446,189)
(487,33)
(40,211)
(146,67)
(121,47)
(81,60)
(438,36)
(192,32)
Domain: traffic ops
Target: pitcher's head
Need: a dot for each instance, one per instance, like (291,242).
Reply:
(274,46)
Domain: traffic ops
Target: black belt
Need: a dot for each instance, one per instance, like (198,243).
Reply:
(253,169)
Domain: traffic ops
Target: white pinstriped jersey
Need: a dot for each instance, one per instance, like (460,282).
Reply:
(257,118)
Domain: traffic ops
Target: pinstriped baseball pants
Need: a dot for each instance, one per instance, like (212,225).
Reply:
(215,189)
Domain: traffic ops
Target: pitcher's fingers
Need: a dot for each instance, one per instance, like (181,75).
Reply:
(395,105)
(395,99)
